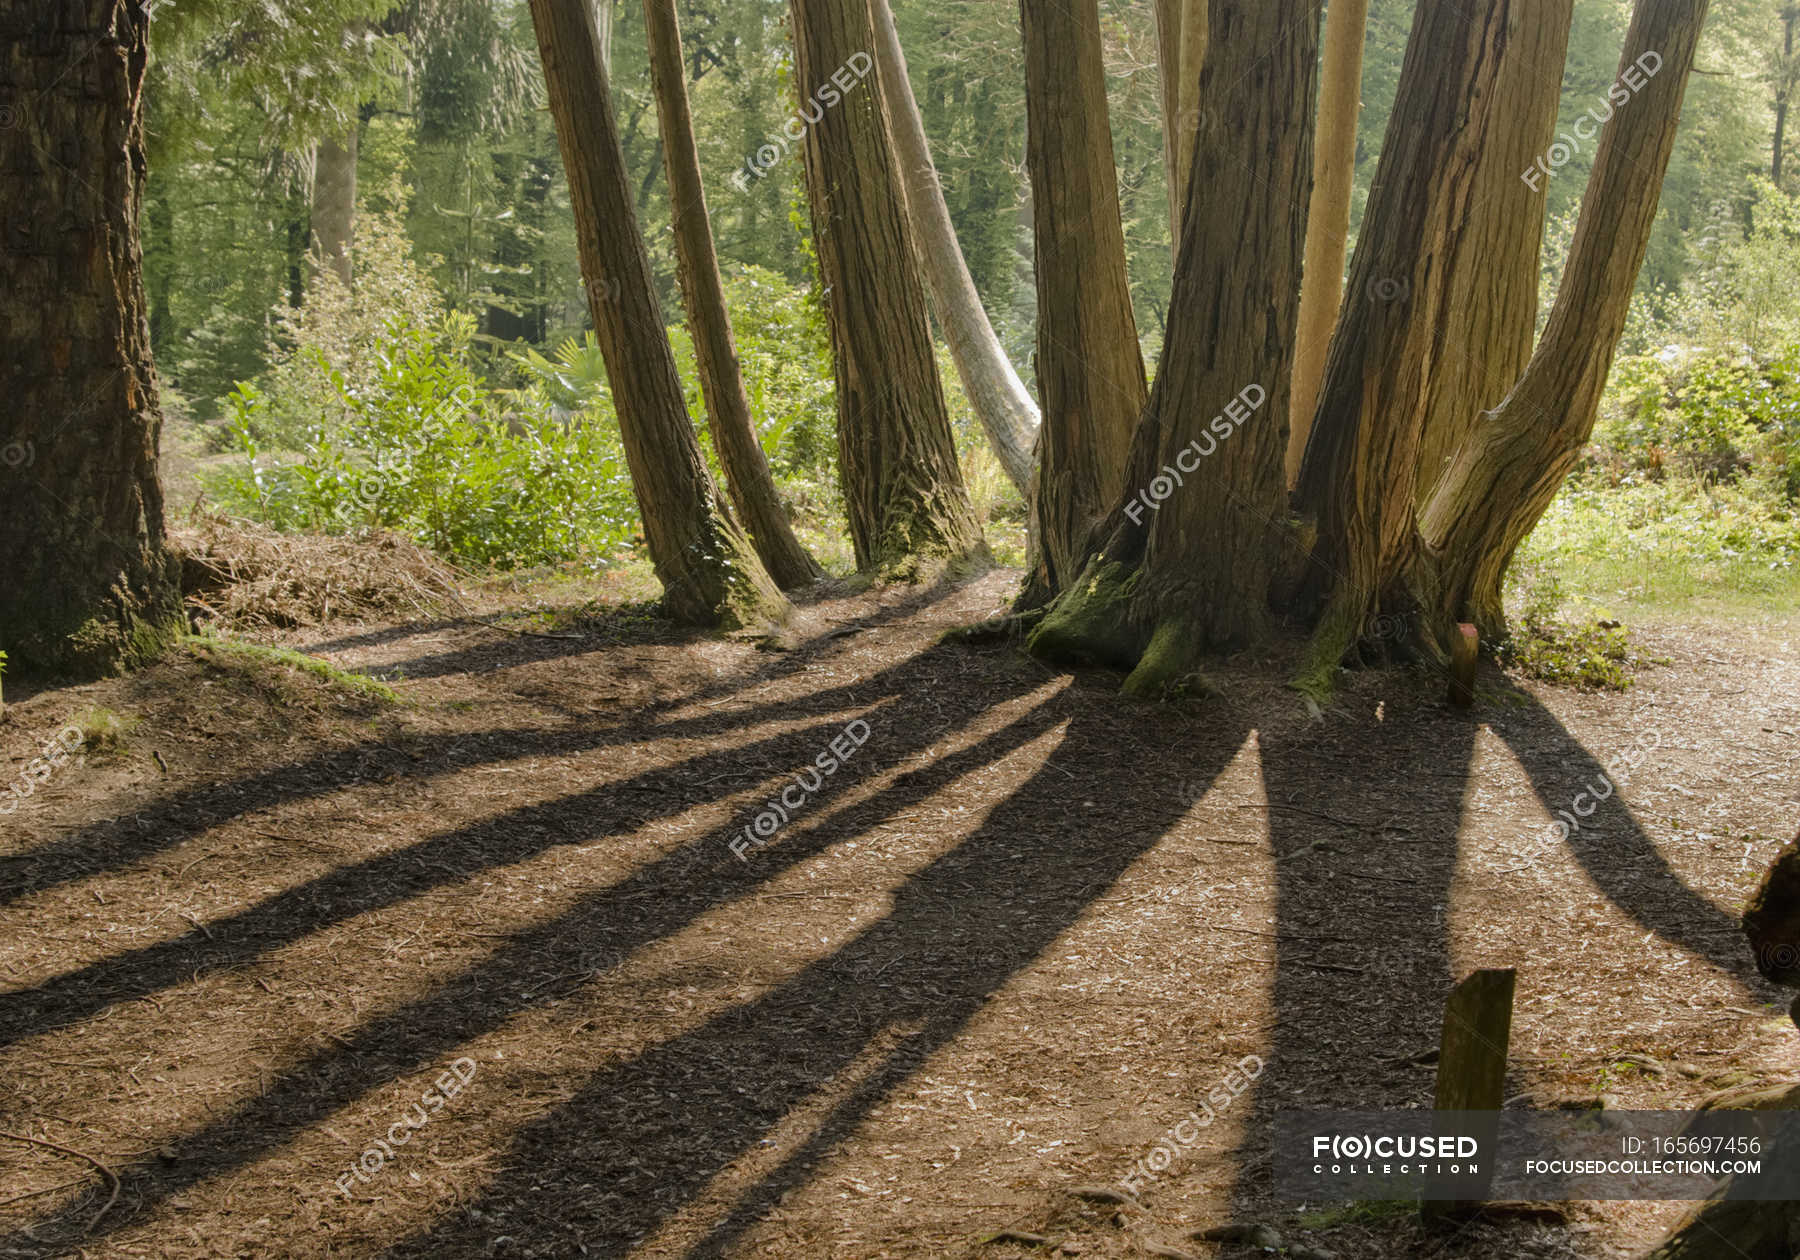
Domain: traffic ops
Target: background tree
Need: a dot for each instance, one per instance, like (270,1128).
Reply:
(709,571)
(903,490)
(1006,411)
(89,584)
(734,434)
(1328,214)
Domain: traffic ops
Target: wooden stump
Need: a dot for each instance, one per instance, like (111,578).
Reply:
(1465,652)
(1472,1060)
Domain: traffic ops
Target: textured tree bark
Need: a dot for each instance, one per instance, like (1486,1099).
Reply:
(903,490)
(1181,34)
(1507,471)
(998,397)
(1189,554)
(734,433)
(1090,371)
(709,571)
(1328,216)
(1443,294)
(334,202)
(88,584)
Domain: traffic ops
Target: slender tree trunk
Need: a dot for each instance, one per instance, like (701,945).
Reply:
(734,433)
(1090,370)
(999,399)
(334,201)
(603,22)
(1328,217)
(88,584)
(1190,553)
(903,489)
(1784,90)
(709,571)
(1181,34)
(1509,469)
(1443,291)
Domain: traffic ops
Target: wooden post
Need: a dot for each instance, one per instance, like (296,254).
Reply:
(1471,1072)
(1465,651)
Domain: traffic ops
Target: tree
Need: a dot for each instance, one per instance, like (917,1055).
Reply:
(1007,414)
(89,584)
(1187,558)
(1181,33)
(1443,296)
(1090,371)
(334,201)
(710,573)
(1328,215)
(734,433)
(1507,471)
(903,490)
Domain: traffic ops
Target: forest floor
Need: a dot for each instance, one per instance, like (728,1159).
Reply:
(1025,928)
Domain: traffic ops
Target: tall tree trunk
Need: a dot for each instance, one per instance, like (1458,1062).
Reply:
(1328,215)
(1784,89)
(1507,472)
(710,573)
(903,489)
(1089,368)
(603,22)
(715,351)
(88,584)
(1181,34)
(1190,555)
(999,399)
(1443,295)
(334,201)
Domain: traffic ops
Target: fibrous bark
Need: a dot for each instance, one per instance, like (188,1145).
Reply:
(1505,474)
(87,581)
(715,351)
(1443,292)
(709,571)
(903,489)
(998,397)
(1090,370)
(1189,554)
(1328,215)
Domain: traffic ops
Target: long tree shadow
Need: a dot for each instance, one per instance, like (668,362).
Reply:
(453,857)
(156,826)
(655,901)
(656,1130)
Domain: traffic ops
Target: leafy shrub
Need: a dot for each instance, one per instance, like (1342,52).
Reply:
(1543,644)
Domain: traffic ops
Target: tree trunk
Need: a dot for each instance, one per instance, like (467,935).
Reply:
(999,399)
(1089,368)
(334,201)
(715,350)
(903,490)
(1190,554)
(88,584)
(1328,215)
(710,573)
(1181,33)
(1443,296)
(1784,90)
(1506,473)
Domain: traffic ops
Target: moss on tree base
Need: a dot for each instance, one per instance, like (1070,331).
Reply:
(1090,623)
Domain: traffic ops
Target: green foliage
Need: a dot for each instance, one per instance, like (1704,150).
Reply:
(1587,652)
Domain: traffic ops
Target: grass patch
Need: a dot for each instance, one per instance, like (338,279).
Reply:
(272,663)
(1358,1212)
(103,730)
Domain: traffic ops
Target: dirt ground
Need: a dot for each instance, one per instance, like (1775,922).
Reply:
(1018,932)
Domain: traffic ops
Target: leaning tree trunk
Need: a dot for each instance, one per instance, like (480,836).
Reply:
(1328,215)
(1090,371)
(87,582)
(1190,556)
(997,396)
(1181,28)
(903,490)
(1443,293)
(710,573)
(1506,473)
(334,201)
(715,351)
